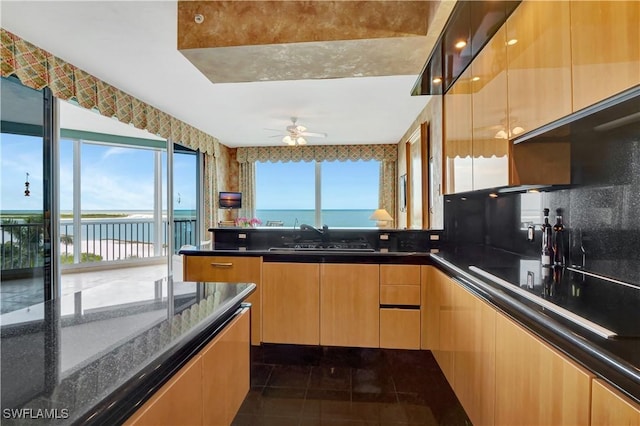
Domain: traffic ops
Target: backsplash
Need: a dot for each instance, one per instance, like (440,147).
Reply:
(600,210)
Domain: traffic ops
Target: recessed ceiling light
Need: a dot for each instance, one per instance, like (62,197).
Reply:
(460,44)
(512,42)
(437,80)
(476,78)
(493,195)
(199,19)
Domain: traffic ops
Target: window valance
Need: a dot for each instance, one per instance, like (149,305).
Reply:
(37,68)
(317,153)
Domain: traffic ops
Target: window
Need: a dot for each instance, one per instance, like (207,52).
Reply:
(339,194)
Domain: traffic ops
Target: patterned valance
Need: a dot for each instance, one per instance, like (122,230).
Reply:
(317,153)
(37,68)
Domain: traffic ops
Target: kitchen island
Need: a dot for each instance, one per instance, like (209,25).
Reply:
(98,355)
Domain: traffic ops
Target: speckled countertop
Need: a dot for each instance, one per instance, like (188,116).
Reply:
(531,296)
(86,358)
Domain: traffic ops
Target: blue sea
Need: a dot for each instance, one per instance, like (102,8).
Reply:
(332,218)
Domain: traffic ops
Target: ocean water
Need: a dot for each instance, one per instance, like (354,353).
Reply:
(331,218)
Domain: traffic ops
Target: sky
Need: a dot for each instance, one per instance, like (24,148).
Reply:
(117,178)
(112,178)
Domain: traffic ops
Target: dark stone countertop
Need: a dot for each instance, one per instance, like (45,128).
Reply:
(95,356)
(321,256)
(605,304)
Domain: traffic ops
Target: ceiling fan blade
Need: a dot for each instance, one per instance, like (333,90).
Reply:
(276,136)
(274,130)
(315,135)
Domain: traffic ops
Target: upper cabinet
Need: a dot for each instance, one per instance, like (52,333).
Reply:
(491,127)
(605,49)
(458,136)
(538,63)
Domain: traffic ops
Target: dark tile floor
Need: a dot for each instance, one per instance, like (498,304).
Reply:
(301,385)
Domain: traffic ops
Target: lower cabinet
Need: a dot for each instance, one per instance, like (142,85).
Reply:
(534,383)
(474,362)
(233,269)
(349,305)
(399,328)
(209,389)
(609,407)
(291,303)
(226,366)
(178,402)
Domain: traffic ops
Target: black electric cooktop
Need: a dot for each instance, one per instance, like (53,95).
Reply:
(605,306)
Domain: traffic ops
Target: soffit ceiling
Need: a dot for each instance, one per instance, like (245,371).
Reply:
(133,45)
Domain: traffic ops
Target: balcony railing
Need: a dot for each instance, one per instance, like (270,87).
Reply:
(101,240)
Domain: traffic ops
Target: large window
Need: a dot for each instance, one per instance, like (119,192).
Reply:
(339,194)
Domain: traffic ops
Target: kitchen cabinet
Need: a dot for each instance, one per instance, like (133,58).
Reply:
(458,133)
(400,306)
(349,305)
(437,318)
(291,303)
(210,388)
(178,402)
(492,127)
(231,269)
(539,63)
(474,361)
(605,49)
(399,328)
(534,383)
(609,407)
(225,372)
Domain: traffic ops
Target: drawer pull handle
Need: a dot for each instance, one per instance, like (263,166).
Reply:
(222,264)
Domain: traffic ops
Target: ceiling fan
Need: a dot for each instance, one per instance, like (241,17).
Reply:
(296,133)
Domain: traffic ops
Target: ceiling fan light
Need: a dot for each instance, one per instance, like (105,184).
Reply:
(288,140)
(301,141)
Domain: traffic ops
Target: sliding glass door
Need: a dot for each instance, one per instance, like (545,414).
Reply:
(25,200)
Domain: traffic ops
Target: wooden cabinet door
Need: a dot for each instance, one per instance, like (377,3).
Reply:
(536,385)
(605,49)
(400,285)
(474,356)
(491,126)
(609,407)
(231,269)
(437,318)
(399,328)
(349,305)
(538,63)
(291,303)
(178,402)
(225,373)
(458,149)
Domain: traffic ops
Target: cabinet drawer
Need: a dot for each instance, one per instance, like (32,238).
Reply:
(221,268)
(400,275)
(400,295)
(400,328)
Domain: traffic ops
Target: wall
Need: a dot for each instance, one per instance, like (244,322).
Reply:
(600,210)
(227,176)
(432,114)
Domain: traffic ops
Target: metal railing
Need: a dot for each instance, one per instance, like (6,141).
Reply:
(101,240)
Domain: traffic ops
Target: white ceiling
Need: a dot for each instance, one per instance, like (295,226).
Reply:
(132,45)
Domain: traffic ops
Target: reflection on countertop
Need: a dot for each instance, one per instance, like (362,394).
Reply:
(76,352)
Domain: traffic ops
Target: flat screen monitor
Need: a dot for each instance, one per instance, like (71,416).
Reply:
(230,200)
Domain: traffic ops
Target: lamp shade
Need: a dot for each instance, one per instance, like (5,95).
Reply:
(382,216)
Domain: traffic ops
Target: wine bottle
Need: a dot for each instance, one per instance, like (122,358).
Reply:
(558,239)
(547,243)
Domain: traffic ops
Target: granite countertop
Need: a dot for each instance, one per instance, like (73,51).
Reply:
(86,358)
(554,304)
(320,256)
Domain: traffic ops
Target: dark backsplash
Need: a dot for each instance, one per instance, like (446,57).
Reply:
(600,210)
